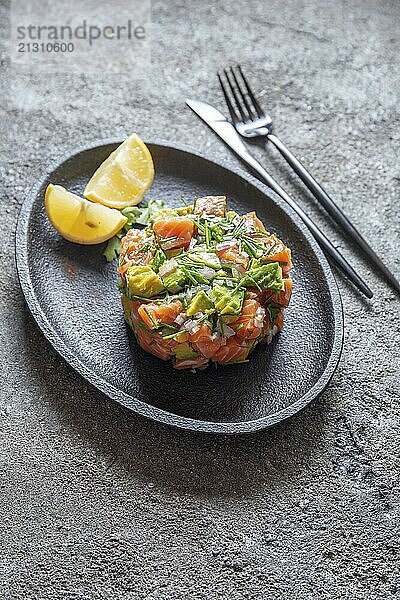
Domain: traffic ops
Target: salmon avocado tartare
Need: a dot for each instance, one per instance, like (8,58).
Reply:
(203,284)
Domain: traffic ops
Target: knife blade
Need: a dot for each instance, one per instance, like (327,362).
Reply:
(226,131)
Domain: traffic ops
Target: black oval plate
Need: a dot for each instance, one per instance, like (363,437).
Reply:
(71,292)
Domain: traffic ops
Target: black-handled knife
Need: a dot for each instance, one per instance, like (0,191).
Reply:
(226,131)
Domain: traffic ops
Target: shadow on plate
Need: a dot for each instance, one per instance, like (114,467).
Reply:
(231,393)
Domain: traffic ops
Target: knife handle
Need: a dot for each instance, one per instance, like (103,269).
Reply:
(333,209)
(323,241)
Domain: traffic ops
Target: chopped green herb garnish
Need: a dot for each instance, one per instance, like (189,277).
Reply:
(153,321)
(194,283)
(136,215)
(113,248)
(172,335)
(208,234)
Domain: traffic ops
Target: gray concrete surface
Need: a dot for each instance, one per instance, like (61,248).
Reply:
(98,503)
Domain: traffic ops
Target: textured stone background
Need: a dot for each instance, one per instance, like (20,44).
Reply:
(98,503)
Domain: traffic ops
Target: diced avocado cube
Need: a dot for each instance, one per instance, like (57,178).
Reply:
(172,252)
(184,210)
(162,214)
(231,214)
(228,302)
(174,280)
(143,281)
(199,303)
(126,305)
(184,351)
(267,277)
(209,259)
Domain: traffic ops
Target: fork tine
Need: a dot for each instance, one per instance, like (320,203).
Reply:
(229,104)
(243,95)
(234,94)
(257,107)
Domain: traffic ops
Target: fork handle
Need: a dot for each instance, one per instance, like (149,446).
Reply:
(332,208)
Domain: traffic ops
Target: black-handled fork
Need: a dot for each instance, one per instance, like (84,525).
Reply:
(251,121)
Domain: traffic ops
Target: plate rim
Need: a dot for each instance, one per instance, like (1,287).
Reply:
(138,406)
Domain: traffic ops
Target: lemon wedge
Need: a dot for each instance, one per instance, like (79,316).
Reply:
(124,177)
(79,220)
